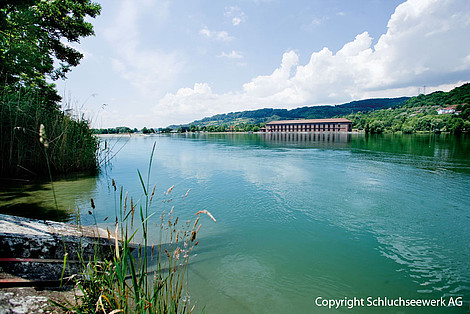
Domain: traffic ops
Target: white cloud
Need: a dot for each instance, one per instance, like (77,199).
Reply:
(150,71)
(258,2)
(319,21)
(277,82)
(425,44)
(231,55)
(188,103)
(236,14)
(218,35)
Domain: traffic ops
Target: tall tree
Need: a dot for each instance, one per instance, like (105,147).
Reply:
(34,37)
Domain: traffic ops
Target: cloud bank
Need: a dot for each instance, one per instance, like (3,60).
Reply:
(236,14)
(426,43)
(218,35)
(150,71)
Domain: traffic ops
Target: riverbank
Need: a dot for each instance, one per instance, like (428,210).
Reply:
(32,262)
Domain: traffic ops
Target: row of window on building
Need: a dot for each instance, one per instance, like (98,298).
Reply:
(306,127)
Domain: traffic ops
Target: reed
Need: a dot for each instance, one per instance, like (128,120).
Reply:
(140,277)
(24,114)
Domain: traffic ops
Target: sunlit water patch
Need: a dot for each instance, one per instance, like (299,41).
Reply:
(303,215)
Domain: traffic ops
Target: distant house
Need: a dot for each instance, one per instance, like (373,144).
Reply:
(448,110)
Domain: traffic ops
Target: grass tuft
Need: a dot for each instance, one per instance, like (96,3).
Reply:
(140,277)
(25,119)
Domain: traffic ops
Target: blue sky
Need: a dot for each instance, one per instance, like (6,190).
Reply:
(157,62)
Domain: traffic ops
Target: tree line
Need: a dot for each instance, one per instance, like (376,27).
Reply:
(241,127)
(37,135)
(420,114)
(405,115)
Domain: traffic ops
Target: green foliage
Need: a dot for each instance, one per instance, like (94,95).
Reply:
(140,277)
(164,130)
(147,131)
(457,96)
(66,142)
(32,40)
(240,127)
(419,114)
(257,117)
(117,130)
(33,49)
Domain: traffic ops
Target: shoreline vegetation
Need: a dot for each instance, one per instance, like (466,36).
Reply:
(438,112)
(34,133)
(40,138)
(37,136)
(140,277)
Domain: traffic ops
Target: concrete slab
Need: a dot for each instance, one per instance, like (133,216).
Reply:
(48,240)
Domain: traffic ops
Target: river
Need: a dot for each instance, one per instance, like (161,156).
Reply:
(301,218)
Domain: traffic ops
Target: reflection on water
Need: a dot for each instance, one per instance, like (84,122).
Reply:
(308,139)
(442,146)
(303,215)
(402,195)
(35,199)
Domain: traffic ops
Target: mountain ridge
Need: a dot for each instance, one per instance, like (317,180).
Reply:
(265,115)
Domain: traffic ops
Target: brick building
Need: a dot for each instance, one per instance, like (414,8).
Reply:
(310,125)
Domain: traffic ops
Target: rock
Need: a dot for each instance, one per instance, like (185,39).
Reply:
(45,244)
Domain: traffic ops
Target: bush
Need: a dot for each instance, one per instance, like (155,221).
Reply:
(143,278)
(69,142)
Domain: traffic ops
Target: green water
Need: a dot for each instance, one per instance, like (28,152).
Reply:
(299,216)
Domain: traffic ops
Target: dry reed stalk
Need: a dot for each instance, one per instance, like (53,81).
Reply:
(170,189)
(153,193)
(125,203)
(132,213)
(207,213)
(176,254)
(116,241)
(195,223)
(42,136)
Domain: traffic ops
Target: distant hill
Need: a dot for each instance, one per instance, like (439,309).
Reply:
(457,96)
(420,114)
(314,112)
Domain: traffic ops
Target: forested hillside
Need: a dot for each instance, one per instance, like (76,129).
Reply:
(256,117)
(419,114)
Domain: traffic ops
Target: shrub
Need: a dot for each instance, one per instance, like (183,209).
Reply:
(71,144)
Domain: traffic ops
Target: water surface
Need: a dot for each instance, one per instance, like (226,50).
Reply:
(301,216)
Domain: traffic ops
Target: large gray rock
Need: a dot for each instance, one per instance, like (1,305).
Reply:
(45,243)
